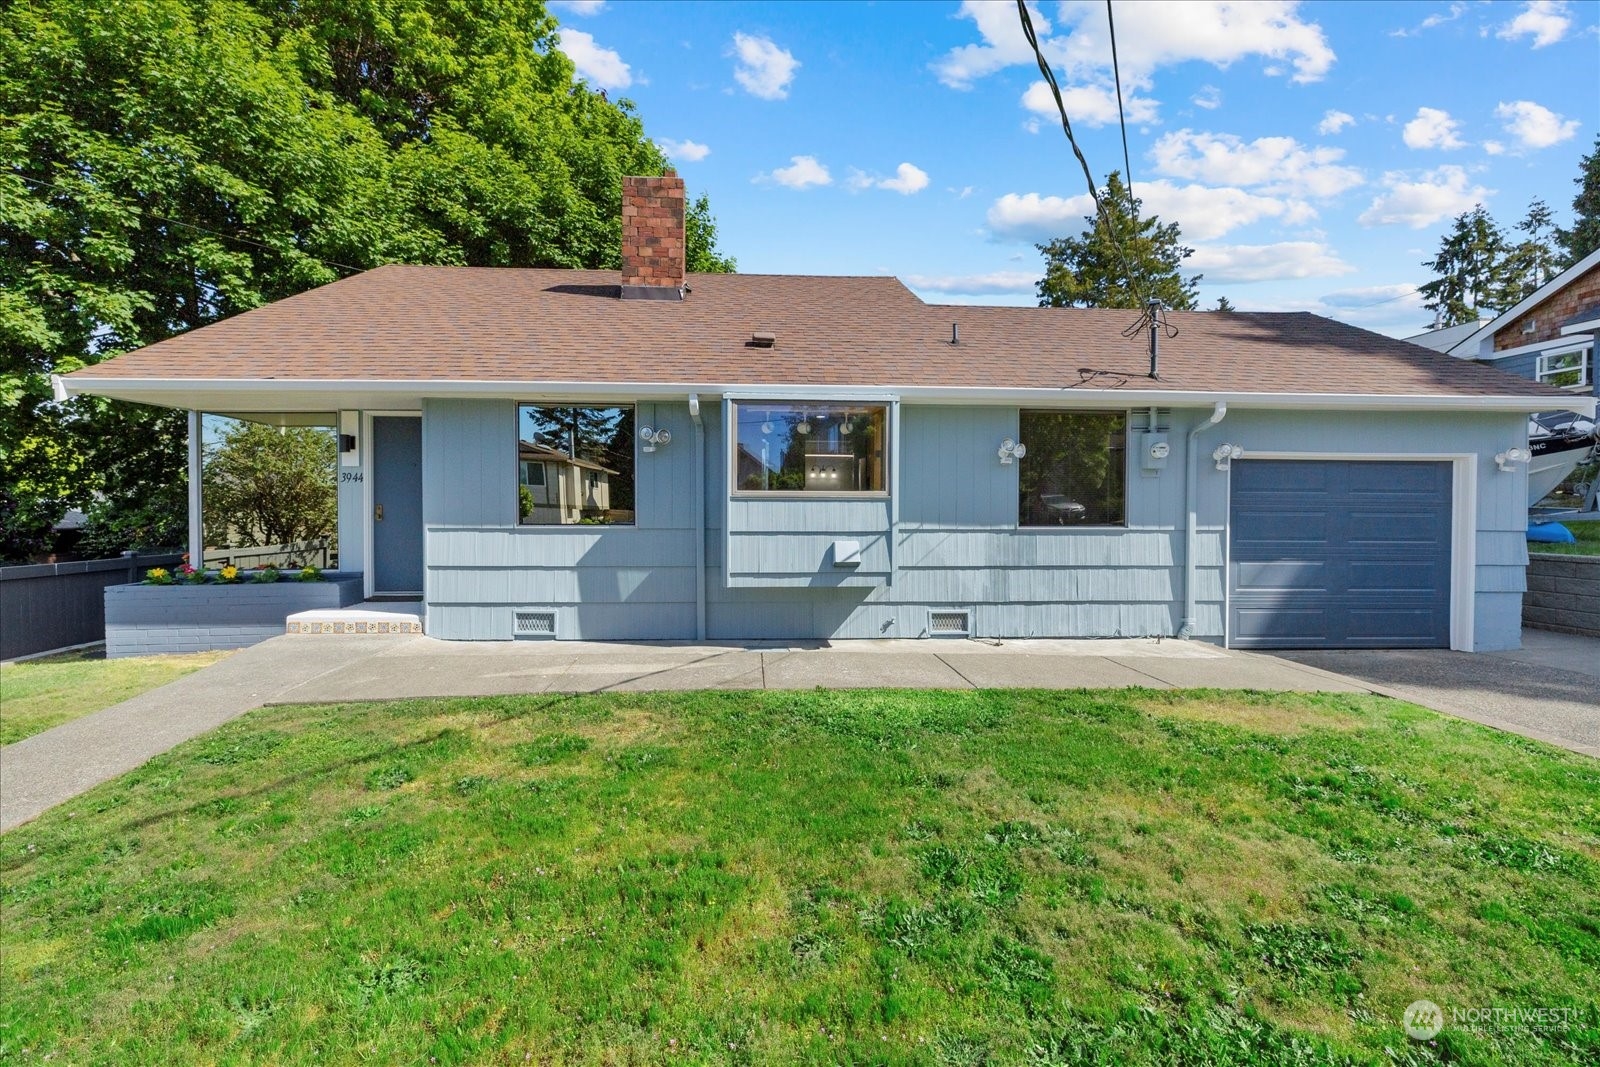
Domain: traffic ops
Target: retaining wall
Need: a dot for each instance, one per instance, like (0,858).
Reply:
(144,620)
(1563,593)
(48,606)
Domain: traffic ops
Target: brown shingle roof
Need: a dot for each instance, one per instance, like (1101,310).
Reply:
(406,323)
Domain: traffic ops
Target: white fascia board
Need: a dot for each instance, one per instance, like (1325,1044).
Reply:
(1489,329)
(279,395)
(1587,326)
(1554,344)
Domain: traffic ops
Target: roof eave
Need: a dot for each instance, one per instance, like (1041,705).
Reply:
(270,394)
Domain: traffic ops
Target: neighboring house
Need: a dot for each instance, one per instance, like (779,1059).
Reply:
(1547,337)
(561,489)
(848,461)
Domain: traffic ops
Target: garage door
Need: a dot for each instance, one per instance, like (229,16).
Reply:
(1328,554)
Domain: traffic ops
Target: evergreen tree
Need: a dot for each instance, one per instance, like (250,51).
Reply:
(1224,305)
(1470,272)
(1584,236)
(1533,260)
(1091,269)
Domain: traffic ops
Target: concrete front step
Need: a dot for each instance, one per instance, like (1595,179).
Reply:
(363,620)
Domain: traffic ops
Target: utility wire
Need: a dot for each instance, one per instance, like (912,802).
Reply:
(1066,126)
(1122,121)
(191,226)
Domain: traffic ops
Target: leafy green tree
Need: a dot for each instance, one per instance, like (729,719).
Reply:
(1471,278)
(270,485)
(167,163)
(1584,236)
(1092,269)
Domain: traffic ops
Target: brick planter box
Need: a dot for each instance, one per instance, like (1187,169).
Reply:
(143,620)
(1563,593)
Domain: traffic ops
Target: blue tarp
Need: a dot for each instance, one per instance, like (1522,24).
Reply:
(1550,533)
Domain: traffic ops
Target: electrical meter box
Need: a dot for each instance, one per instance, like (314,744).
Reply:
(1153,451)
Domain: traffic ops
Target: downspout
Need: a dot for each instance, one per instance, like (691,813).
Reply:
(700,531)
(1191,489)
(197,537)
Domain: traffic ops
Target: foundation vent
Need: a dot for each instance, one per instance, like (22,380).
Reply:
(949,623)
(533,623)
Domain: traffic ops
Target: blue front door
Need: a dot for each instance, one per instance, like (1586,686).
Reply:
(396,505)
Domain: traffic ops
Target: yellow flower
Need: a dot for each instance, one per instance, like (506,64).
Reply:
(157,572)
(230,573)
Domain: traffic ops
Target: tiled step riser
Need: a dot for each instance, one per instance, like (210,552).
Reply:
(342,629)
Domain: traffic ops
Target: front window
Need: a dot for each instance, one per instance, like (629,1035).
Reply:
(576,465)
(810,448)
(1075,469)
(1569,370)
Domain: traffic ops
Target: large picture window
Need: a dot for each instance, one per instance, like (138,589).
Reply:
(1075,469)
(828,447)
(575,465)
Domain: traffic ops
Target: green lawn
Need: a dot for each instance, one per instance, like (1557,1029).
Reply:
(40,693)
(821,877)
(1587,544)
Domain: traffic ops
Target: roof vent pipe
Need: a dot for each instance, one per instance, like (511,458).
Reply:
(955,334)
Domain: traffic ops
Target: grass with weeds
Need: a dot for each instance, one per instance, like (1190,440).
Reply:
(37,694)
(888,877)
(1586,543)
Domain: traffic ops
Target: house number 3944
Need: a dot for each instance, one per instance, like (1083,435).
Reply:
(349,476)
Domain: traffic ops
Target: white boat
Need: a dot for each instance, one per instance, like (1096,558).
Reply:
(1559,441)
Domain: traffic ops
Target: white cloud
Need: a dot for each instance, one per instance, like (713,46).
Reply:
(1003,43)
(1424,199)
(1546,21)
(802,173)
(579,7)
(1264,263)
(1432,128)
(1209,97)
(1334,121)
(1088,105)
(600,66)
(1533,125)
(764,69)
(1436,19)
(995,282)
(687,151)
(1154,34)
(1220,32)
(1279,165)
(1201,212)
(908,178)
(1494,148)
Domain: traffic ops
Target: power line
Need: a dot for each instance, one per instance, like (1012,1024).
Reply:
(1066,126)
(1122,121)
(201,229)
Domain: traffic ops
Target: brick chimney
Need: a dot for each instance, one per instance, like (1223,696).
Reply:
(652,238)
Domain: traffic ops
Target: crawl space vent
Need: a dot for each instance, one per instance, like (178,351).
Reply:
(949,623)
(535,624)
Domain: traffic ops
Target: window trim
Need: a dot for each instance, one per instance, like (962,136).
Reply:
(1542,373)
(569,527)
(735,493)
(1127,474)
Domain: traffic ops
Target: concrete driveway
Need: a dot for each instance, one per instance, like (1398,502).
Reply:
(1549,689)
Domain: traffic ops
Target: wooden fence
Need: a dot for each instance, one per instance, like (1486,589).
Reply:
(50,606)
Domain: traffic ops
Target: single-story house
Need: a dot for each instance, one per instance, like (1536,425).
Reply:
(831,457)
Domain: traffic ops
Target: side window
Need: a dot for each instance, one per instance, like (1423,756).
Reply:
(575,465)
(827,447)
(1075,469)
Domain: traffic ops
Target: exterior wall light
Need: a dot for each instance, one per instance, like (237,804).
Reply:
(1225,454)
(1010,450)
(1507,461)
(654,439)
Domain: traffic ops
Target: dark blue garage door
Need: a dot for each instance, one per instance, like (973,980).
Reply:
(1335,554)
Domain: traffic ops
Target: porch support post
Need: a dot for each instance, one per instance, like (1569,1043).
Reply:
(197,537)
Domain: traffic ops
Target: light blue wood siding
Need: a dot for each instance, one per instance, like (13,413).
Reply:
(950,539)
(604,582)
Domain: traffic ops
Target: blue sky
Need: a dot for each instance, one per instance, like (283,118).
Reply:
(1313,153)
